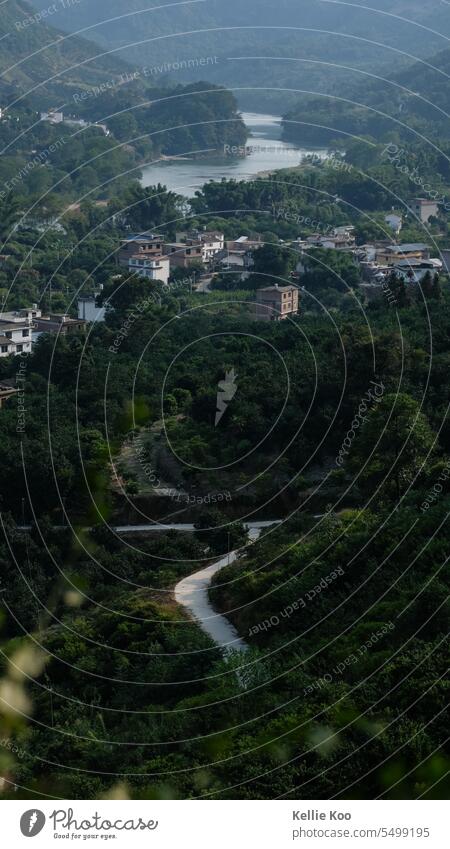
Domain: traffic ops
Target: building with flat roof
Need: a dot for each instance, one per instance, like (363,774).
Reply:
(16,331)
(58,323)
(424,209)
(88,310)
(275,303)
(390,254)
(212,242)
(139,244)
(183,255)
(150,267)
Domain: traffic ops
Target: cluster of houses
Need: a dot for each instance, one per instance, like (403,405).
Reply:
(20,328)
(379,259)
(54,116)
(409,262)
(150,255)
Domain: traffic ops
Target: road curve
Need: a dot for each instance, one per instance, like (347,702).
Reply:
(192,593)
(187,528)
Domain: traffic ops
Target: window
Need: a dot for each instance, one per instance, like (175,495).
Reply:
(25,333)
(4,349)
(8,334)
(19,349)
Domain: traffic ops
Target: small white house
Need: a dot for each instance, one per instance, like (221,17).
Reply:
(16,332)
(395,222)
(153,268)
(413,271)
(88,309)
(53,117)
(424,209)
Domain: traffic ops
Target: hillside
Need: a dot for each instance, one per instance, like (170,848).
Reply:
(41,62)
(311,32)
(416,98)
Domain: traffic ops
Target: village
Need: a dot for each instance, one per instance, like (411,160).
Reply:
(204,254)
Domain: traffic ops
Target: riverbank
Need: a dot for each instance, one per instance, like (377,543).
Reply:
(268,153)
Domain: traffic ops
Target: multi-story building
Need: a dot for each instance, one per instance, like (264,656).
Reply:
(391,254)
(275,303)
(340,238)
(414,270)
(424,209)
(57,323)
(142,244)
(184,254)
(16,332)
(152,268)
(88,310)
(212,242)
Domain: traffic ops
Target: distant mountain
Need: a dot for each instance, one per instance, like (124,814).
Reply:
(308,36)
(42,63)
(416,99)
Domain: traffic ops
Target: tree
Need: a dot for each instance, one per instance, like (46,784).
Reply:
(9,215)
(214,528)
(397,286)
(431,287)
(274,261)
(392,446)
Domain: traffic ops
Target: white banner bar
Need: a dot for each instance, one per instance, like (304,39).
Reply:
(225,825)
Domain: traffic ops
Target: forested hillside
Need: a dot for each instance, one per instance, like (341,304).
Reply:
(305,39)
(39,61)
(404,105)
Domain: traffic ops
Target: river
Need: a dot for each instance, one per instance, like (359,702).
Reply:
(268,153)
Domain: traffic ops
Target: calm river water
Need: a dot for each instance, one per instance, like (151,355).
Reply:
(268,154)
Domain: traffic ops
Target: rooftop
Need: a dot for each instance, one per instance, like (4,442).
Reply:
(277,289)
(143,237)
(400,249)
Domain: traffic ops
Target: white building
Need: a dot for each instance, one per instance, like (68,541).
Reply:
(16,331)
(153,268)
(395,222)
(88,309)
(424,209)
(340,238)
(53,117)
(211,241)
(414,270)
(212,244)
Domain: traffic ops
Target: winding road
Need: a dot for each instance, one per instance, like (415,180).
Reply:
(192,593)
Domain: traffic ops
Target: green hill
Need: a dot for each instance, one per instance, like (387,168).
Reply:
(305,40)
(416,99)
(42,64)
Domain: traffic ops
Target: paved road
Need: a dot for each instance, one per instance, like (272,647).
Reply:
(192,593)
(203,284)
(186,528)
(157,527)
